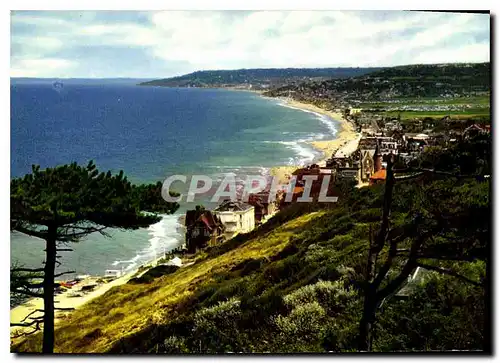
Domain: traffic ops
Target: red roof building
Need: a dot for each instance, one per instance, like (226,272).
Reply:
(378,176)
(202,228)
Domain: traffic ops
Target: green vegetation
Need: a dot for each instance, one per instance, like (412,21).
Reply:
(414,82)
(256,77)
(472,100)
(295,284)
(465,114)
(152,274)
(65,204)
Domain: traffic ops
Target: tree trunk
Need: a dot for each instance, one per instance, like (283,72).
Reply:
(48,295)
(367,320)
(370,302)
(386,211)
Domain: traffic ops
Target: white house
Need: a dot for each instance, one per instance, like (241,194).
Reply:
(388,146)
(237,217)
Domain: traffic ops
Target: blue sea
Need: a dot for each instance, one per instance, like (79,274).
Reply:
(150,133)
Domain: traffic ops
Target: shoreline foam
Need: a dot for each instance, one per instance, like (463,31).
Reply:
(345,140)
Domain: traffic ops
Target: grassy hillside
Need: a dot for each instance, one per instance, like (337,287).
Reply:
(257,77)
(294,284)
(127,309)
(404,83)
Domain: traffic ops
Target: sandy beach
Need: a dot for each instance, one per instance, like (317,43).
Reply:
(67,299)
(345,143)
(346,140)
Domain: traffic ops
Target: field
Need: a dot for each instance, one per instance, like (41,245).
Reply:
(466,114)
(457,108)
(478,101)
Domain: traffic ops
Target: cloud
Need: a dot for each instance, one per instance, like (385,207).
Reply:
(167,43)
(36,46)
(52,67)
(472,52)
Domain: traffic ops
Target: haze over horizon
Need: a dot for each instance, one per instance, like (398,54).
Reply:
(147,45)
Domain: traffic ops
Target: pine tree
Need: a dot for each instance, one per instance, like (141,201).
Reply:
(65,204)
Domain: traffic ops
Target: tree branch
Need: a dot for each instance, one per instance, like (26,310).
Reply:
(446,258)
(33,285)
(394,284)
(27,292)
(30,232)
(27,270)
(447,173)
(34,311)
(23,334)
(67,237)
(449,272)
(25,324)
(386,211)
(408,268)
(387,265)
(64,273)
(408,177)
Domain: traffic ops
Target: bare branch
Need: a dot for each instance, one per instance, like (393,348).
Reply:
(23,334)
(394,284)
(25,324)
(33,286)
(386,211)
(410,265)
(387,265)
(438,172)
(31,232)
(66,236)
(27,292)
(33,312)
(64,273)
(408,177)
(27,270)
(450,273)
(445,258)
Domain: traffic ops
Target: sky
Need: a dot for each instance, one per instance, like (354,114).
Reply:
(109,44)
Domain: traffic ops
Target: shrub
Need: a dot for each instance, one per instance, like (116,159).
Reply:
(249,266)
(330,295)
(153,273)
(175,345)
(216,328)
(301,330)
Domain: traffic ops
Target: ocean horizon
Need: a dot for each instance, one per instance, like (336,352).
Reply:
(150,133)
